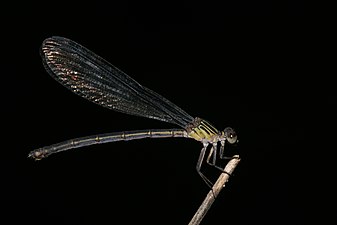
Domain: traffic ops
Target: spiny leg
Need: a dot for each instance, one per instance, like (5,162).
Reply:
(222,152)
(199,163)
(222,147)
(214,151)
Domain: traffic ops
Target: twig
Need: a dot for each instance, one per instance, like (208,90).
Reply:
(212,194)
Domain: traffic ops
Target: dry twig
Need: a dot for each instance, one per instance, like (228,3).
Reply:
(212,194)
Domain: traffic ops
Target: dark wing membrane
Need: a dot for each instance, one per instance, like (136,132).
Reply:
(95,79)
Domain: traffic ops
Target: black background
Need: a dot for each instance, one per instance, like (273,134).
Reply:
(268,77)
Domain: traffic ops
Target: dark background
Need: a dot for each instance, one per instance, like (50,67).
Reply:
(268,77)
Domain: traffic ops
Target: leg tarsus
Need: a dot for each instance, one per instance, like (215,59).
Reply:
(229,157)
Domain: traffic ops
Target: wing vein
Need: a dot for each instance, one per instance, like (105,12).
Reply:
(95,79)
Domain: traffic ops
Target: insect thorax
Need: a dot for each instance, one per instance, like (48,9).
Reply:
(202,130)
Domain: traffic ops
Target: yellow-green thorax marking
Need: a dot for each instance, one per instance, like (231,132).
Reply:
(203,131)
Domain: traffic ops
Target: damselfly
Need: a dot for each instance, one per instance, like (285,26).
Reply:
(93,78)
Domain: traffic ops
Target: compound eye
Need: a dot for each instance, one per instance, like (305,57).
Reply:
(230,135)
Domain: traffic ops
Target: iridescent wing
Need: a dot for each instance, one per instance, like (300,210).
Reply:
(95,79)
